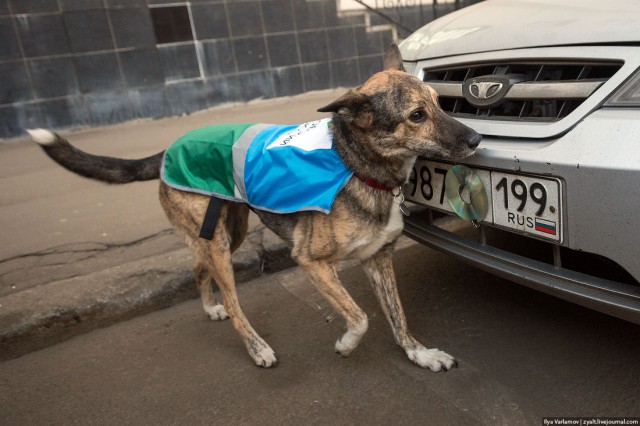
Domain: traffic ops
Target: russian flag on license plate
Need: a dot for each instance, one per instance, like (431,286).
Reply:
(546,226)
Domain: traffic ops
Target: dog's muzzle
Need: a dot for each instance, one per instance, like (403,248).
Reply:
(474,140)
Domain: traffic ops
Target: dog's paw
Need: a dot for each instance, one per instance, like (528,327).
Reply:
(350,340)
(433,359)
(216,312)
(265,357)
(346,344)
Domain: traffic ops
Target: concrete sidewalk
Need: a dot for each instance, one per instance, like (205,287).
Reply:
(78,254)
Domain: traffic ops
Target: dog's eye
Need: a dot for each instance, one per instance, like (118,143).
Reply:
(418,116)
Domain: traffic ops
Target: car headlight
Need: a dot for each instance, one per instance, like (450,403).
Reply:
(628,95)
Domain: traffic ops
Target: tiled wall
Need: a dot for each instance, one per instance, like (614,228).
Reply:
(71,63)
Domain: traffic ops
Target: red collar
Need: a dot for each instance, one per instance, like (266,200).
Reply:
(375,184)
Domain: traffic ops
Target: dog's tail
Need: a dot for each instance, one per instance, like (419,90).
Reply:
(105,169)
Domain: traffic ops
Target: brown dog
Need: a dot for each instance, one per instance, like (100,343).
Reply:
(379,129)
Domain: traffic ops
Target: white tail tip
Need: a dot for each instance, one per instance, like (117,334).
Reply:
(42,136)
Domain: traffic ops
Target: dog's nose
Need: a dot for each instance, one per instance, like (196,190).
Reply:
(474,140)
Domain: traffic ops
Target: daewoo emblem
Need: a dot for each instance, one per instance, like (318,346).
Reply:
(486,91)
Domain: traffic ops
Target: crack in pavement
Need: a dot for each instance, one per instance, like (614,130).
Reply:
(102,247)
(66,261)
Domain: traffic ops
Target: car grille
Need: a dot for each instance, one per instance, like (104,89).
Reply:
(541,92)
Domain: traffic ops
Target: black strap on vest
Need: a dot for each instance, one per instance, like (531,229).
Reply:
(211,217)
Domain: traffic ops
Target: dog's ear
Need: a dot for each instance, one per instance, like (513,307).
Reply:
(393,58)
(354,107)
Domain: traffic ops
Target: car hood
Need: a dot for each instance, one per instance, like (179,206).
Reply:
(514,24)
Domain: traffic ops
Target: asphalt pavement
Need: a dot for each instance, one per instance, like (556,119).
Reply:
(522,356)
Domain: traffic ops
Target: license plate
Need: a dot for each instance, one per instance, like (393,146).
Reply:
(525,204)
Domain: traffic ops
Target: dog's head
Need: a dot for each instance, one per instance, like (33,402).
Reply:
(398,115)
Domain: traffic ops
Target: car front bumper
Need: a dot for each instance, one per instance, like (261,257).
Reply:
(598,162)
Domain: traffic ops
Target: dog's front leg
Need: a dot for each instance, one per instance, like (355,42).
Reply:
(326,280)
(379,269)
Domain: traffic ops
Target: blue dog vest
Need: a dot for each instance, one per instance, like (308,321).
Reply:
(277,168)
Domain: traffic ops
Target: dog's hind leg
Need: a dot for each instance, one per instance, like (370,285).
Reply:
(379,269)
(237,223)
(216,255)
(209,303)
(326,280)
(221,269)
(186,211)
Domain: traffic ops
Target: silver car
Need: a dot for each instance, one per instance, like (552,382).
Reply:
(554,187)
